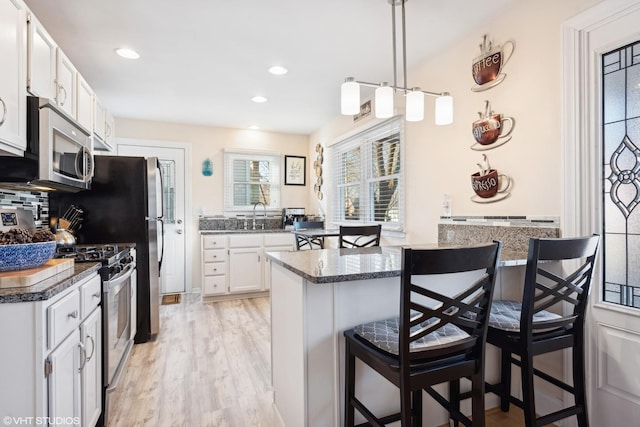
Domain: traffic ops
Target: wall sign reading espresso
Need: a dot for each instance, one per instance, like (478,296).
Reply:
(489,185)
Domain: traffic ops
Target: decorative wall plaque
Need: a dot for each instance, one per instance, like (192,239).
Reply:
(487,67)
(492,129)
(317,165)
(489,185)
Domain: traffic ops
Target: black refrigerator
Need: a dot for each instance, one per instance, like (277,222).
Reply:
(124,205)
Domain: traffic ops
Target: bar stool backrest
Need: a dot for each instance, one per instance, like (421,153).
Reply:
(359,236)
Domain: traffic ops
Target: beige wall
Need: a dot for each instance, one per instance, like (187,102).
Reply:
(209,142)
(438,159)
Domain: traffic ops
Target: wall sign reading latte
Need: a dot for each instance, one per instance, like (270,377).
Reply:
(489,131)
(489,185)
(487,67)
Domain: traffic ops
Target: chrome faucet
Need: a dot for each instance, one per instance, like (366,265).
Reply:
(264,207)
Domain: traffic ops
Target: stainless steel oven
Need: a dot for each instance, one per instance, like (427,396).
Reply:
(119,292)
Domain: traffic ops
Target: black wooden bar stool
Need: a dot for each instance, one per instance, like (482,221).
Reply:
(430,342)
(539,325)
(359,236)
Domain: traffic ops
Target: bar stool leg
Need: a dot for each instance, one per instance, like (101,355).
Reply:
(350,379)
(477,401)
(505,379)
(454,399)
(416,397)
(579,382)
(528,398)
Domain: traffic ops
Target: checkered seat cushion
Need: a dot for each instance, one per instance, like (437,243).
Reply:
(384,335)
(505,315)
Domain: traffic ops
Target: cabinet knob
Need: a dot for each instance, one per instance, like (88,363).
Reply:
(96,295)
(73,314)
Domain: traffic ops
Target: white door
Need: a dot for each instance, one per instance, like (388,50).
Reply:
(172,160)
(602,105)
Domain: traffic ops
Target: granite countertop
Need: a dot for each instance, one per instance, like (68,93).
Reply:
(49,287)
(242,231)
(344,265)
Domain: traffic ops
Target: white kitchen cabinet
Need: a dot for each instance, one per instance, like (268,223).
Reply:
(91,369)
(41,60)
(245,269)
(66,84)
(100,143)
(235,265)
(13,71)
(47,364)
(110,129)
(64,379)
(84,103)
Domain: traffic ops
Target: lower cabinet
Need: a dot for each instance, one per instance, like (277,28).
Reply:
(235,265)
(51,358)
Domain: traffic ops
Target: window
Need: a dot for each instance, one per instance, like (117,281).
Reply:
(621,180)
(251,178)
(168,190)
(369,181)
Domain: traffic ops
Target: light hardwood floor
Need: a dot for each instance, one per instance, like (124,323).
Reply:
(210,366)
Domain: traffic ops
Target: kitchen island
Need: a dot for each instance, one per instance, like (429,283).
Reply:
(317,295)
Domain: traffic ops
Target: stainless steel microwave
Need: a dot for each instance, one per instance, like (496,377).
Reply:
(58,155)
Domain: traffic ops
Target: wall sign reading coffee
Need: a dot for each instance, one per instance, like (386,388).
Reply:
(491,130)
(489,185)
(487,67)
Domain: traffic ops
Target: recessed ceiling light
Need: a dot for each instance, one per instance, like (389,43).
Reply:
(259,99)
(254,127)
(127,53)
(278,70)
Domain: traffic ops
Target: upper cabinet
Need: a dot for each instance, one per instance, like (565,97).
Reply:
(13,23)
(66,82)
(84,105)
(41,61)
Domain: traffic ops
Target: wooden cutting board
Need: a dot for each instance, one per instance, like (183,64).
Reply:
(18,278)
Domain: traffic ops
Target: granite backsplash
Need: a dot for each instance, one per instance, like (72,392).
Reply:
(513,231)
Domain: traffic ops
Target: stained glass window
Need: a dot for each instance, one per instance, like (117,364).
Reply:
(621,175)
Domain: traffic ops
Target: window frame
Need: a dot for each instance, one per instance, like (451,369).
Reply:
(364,141)
(274,181)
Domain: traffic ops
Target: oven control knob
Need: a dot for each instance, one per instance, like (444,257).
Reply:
(116,269)
(127,260)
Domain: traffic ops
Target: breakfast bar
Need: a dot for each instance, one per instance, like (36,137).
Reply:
(315,296)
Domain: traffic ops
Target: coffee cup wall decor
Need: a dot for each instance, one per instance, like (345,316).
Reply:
(489,185)
(491,130)
(487,67)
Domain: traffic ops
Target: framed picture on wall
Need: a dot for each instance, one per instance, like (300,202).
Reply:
(295,170)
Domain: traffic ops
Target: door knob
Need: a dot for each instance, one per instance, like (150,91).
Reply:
(179,221)
(179,231)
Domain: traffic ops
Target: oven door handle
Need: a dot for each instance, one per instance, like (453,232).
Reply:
(117,282)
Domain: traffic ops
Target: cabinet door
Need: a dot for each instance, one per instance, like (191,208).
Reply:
(85,104)
(13,77)
(64,379)
(245,269)
(66,75)
(41,61)
(267,262)
(91,372)
(110,129)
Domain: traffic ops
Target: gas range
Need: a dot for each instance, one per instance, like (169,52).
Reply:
(114,256)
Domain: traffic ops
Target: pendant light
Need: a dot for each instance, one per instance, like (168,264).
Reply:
(384,94)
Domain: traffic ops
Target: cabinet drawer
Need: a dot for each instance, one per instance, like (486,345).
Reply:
(90,296)
(63,317)
(245,241)
(214,242)
(278,239)
(215,285)
(215,268)
(215,255)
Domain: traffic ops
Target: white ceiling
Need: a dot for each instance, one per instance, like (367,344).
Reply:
(202,60)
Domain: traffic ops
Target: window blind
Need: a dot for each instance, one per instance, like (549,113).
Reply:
(251,178)
(369,178)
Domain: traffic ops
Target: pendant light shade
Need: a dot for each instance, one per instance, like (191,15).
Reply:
(414,111)
(444,109)
(350,96)
(384,101)
(385,92)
